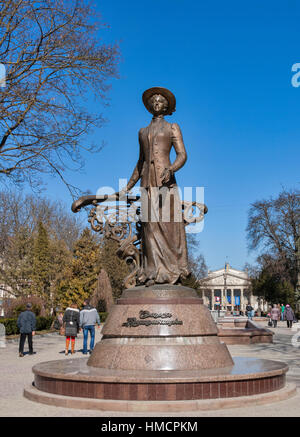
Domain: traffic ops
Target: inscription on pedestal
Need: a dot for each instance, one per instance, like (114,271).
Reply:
(144,317)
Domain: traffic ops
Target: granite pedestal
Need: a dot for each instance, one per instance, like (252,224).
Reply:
(159,344)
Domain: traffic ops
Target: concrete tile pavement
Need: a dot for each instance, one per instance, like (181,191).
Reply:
(16,373)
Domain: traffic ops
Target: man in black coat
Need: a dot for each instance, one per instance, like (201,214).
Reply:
(27,325)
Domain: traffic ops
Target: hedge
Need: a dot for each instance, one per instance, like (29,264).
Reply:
(11,328)
(42,323)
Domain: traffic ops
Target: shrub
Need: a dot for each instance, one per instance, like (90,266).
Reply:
(11,327)
(43,323)
(13,307)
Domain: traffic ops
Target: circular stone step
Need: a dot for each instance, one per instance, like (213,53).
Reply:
(145,407)
(247,377)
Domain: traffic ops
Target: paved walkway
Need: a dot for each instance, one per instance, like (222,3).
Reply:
(15,374)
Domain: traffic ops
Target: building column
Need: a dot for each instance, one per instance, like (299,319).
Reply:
(232,299)
(212,299)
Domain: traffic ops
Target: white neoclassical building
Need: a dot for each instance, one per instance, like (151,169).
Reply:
(4,294)
(229,289)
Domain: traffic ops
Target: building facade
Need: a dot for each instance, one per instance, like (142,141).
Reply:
(229,289)
(4,294)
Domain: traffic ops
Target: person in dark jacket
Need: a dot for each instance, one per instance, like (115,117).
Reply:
(27,325)
(249,310)
(71,324)
(288,315)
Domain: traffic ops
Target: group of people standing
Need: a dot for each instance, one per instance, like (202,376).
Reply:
(278,312)
(282,312)
(72,321)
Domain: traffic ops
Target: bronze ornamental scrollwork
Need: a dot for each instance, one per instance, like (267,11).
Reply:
(121,222)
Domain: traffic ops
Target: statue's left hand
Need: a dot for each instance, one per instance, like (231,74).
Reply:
(122,193)
(166,175)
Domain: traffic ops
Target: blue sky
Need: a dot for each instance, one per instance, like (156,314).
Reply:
(229,66)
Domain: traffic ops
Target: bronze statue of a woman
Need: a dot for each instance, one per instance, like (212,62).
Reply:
(163,242)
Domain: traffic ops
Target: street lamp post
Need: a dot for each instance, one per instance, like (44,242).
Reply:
(225,288)
(298,266)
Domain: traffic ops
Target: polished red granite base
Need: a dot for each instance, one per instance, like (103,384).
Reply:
(247,377)
(146,407)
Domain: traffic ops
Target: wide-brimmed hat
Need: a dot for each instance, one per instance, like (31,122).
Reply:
(164,92)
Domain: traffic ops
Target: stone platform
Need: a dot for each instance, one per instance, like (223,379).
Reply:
(164,407)
(247,377)
(159,344)
(241,330)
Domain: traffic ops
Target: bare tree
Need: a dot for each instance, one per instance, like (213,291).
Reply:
(19,212)
(196,263)
(274,226)
(55,61)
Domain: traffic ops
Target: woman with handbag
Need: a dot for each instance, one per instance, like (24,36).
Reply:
(275,315)
(289,316)
(71,324)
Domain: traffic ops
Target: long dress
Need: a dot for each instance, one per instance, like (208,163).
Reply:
(163,239)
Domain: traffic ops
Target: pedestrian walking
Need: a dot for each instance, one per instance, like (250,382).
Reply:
(289,315)
(275,315)
(58,322)
(249,310)
(71,324)
(88,318)
(282,311)
(27,325)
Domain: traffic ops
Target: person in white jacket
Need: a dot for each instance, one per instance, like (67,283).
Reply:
(88,318)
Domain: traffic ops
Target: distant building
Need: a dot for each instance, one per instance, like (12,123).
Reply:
(4,294)
(229,289)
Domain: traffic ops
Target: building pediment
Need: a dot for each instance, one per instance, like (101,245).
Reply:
(233,277)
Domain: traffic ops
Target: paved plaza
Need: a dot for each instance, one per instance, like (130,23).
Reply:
(15,374)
